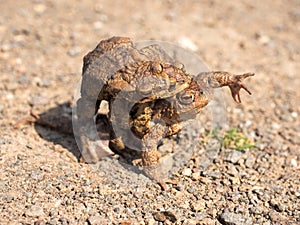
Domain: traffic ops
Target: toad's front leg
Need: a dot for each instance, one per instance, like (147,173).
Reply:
(218,79)
(150,154)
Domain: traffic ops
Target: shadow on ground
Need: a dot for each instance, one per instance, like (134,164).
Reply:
(55,125)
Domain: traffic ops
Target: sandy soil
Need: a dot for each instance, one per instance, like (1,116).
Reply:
(41,49)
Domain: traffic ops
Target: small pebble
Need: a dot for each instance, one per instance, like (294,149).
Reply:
(294,162)
(98,25)
(277,205)
(9,96)
(74,51)
(196,176)
(294,114)
(164,216)
(275,126)
(38,100)
(186,172)
(189,222)
(39,8)
(37,175)
(34,211)
(43,83)
(228,218)
(256,210)
(250,161)
(233,156)
(187,43)
(52,222)
(212,174)
(198,206)
(159,216)
(97,220)
(263,39)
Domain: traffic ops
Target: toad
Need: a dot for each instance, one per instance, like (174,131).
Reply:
(148,94)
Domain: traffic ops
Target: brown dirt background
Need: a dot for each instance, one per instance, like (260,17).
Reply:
(41,49)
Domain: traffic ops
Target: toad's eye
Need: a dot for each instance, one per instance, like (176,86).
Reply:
(186,98)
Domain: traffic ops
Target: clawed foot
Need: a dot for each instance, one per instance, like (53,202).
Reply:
(236,85)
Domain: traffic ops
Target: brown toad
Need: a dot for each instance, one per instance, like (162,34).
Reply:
(149,95)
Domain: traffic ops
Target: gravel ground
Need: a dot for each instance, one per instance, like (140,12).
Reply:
(41,49)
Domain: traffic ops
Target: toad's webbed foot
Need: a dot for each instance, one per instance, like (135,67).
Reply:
(235,84)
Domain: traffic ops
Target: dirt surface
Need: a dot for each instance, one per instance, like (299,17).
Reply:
(41,49)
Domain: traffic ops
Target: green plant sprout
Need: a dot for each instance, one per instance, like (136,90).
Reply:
(233,139)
